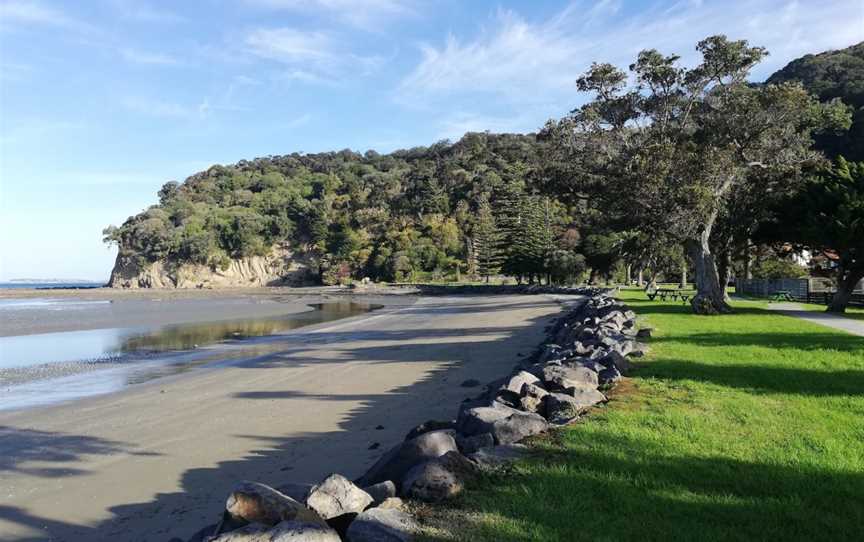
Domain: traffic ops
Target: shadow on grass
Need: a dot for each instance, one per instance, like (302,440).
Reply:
(761,378)
(622,488)
(804,340)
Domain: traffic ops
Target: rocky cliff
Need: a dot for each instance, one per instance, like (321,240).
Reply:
(281,267)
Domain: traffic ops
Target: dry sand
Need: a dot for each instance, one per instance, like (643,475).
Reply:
(157,460)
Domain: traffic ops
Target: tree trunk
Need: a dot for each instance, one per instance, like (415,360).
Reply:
(628,275)
(724,271)
(683,283)
(845,287)
(640,282)
(710,297)
(748,267)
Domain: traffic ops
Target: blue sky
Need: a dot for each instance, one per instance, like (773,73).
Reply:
(102,101)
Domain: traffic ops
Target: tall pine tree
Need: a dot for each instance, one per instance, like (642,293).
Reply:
(487,241)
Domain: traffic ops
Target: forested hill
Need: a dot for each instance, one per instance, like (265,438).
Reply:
(391,216)
(474,206)
(829,75)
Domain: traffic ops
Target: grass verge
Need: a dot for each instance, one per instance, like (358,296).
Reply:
(747,426)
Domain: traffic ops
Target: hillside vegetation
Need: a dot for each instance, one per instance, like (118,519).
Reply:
(834,75)
(665,171)
(390,217)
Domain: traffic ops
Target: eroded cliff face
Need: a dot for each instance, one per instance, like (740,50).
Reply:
(282,267)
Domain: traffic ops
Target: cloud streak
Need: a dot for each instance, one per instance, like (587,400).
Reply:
(518,62)
(20,12)
(312,57)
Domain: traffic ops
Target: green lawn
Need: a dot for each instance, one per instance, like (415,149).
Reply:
(741,427)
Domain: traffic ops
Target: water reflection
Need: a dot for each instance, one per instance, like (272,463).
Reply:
(52,367)
(188,336)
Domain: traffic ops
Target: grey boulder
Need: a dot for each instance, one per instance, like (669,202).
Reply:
(532,396)
(439,479)
(520,379)
(469,445)
(382,525)
(557,377)
(562,408)
(400,459)
(335,496)
(381,491)
(507,425)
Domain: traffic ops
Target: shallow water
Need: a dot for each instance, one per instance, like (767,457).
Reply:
(49,367)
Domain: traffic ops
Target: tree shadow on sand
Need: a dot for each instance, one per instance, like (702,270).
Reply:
(363,432)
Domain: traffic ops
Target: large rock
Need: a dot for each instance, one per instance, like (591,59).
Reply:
(439,479)
(400,459)
(258,503)
(507,425)
(286,531)
(617,360)
(381,491)
(562,408)
(644,333)
(531,399)
(469,445)
(560,378)
(520,379)
(336,496)
(508,398)
(428,426)
(609,376)
(382,525)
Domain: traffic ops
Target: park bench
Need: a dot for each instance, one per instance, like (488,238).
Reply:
(781,295)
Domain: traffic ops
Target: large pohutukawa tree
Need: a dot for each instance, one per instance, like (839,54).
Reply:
(670,146)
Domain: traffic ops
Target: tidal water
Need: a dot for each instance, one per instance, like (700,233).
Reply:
(43,368)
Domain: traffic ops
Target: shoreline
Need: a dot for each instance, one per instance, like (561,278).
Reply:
(156,461)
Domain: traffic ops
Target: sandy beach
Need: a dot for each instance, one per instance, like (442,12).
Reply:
(156,461)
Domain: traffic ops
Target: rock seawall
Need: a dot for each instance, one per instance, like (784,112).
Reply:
(281,267)
(586,353)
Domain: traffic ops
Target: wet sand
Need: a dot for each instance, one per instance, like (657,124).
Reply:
(158,460)
(25,312)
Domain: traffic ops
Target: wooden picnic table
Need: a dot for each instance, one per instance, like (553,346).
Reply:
(671,293)
(781,295)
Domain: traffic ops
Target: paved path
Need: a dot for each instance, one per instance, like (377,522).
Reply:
(158,460)
(856,327)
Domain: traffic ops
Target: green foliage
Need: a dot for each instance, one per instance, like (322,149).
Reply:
(834,75)
(827,215)
(390,217)
(777,268)
(487,242)
(668,148)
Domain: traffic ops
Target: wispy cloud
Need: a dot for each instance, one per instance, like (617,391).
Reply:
(311,56)
(144,57)
(366,14)
(156,107)
(22,12)
(519,62)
